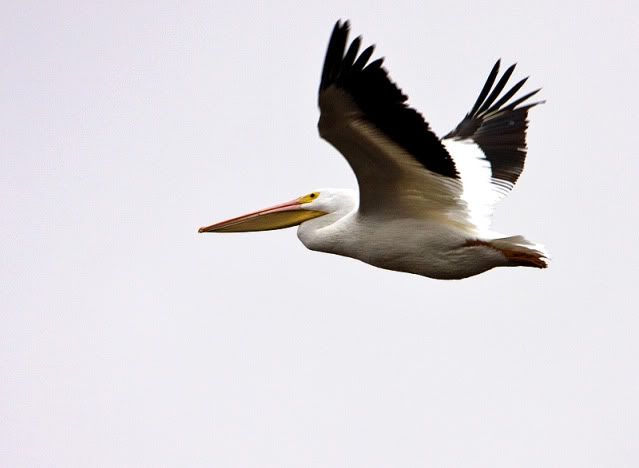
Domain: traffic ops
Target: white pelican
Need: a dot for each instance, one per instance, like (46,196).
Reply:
(424,203)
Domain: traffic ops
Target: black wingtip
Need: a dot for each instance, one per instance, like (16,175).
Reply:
(380,101)
(489,101)
(499,87)
(498,125)
(344,25)
(334,52)
(486,88)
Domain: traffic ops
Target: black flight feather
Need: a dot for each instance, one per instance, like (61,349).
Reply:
(382,103)
(499,129)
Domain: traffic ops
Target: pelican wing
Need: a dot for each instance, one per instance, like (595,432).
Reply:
(402,167)
(489,144)
(499,128)
(400,164)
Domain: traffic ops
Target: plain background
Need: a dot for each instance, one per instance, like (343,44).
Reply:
(127,339)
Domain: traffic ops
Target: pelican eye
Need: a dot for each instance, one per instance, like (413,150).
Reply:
(309,198)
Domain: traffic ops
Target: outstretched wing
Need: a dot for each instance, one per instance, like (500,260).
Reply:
(400,165)
(402,168)
(489,144)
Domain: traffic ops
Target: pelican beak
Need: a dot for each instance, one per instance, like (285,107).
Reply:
(276,217)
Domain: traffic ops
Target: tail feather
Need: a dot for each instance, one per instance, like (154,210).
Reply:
(519,251)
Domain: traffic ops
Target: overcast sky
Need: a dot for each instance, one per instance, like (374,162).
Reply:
(127,339)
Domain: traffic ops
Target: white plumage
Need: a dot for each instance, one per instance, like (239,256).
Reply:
(424,203)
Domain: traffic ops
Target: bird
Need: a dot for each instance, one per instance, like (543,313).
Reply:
(424,203)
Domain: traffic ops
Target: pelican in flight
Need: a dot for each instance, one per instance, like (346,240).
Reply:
(424,203)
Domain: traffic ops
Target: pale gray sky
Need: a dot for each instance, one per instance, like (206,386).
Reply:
(127,339)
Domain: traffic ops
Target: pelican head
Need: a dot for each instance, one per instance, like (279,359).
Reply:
(291,213)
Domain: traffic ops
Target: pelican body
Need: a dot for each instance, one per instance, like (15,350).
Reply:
(424,204)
